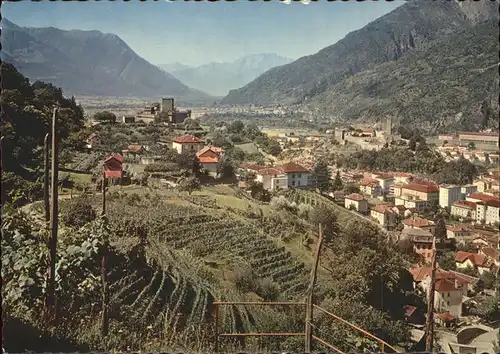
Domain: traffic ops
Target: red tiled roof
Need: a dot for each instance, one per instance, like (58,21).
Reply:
(187,139)
(117,157)
(446,316)
(424,188)
(269,172)
(477,260)
(338,193)
(214,149)
(491,252)
(491,203)
(355,196)
(293,167)
(370,182)
(481,196)
(456,228)
(445,285)
(384,176)
(208,159)
(465,204)
(417,222)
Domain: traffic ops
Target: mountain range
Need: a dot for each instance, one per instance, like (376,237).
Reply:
(219,78)
(87,63)
(373,72)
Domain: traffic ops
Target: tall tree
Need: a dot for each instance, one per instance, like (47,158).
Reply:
(321,176)
(105,116)
(337,182)
(440,230)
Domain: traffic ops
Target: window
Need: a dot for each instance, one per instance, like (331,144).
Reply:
(448,295)
(293,183)
(298,183)
(448,303)
(299,175)
(293,175)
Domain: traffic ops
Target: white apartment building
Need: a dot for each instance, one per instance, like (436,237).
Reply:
(488,211)
(449,194)
(468,189)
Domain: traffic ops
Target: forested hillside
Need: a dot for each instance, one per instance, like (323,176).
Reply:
(26,117)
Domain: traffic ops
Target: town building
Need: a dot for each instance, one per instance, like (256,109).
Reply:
(479,137)
(384,214)
(419,223)
(187,143)
(476,261)
(370,187)
(209,157)
(272,178)
(450,288)
(298,176)
(357,202)
(128,119)
(448,194)
(491,253)
(385,181)
(113,166)
(456,232)
(488,210)
(416,195)
(468,189)
(421,241)
(402,177)
(463,209)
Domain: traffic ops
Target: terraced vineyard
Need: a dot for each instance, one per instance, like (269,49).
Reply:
(178,289)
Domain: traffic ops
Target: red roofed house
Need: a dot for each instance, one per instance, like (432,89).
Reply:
(209,157)
(272,178)
(463,209)
(384,214)
(385,180)
(488,210)
(298,176)
(371,187)
(187,143)
(477,261)
(457,231)
(419,223)
(357,202)
(491,253)
(479,197)
(450,288)
(113,166)
(416,195)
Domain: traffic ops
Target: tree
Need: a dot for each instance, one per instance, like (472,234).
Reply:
(220,140)
(489,280)
(412,144)
(440,230)
(351,188)
(105,116)
(337,182)
(192,124)
(189,184)
(446,260)
(225,169)
(328,219)
(236,127)
(189,161)
(258,191)
(321,176)
(471,145)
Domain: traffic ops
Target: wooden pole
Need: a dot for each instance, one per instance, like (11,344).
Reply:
(104,275)
(429,328)
(46,178)
(51,297)
(216,328)
(310,295)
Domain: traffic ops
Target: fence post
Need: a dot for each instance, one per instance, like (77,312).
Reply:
(310,295)
(46,179)
(216,328)
(105,321)
(50,299)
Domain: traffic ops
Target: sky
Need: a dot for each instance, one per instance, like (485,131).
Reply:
(196,33)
